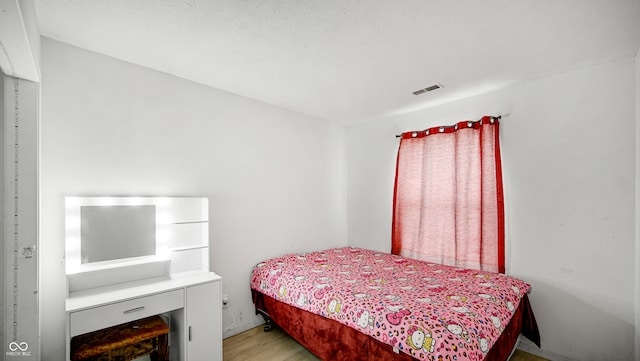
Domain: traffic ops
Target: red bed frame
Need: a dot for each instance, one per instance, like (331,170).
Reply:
(331,340)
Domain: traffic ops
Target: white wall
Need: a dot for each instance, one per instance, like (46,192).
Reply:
(568,165)
(275,179)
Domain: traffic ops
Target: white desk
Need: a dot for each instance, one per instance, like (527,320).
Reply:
(192,301)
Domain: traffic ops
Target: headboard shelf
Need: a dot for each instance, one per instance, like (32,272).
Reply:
(186,248)
(111,240)
(190,222)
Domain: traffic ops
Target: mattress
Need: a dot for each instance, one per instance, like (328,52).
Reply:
(397,307)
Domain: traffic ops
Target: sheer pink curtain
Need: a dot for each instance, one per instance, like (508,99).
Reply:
(448,201)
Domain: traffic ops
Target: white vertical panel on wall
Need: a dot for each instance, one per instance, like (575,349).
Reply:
(19,116)
(20,181)
(2,246)
(20,39)
(637,218)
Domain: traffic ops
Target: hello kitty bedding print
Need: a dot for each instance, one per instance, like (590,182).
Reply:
(423,309)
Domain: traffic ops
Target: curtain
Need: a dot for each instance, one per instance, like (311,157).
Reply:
(448,205)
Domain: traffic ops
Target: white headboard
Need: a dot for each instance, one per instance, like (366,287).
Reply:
(181,237)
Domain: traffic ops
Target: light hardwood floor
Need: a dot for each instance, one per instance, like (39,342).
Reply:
(255,344)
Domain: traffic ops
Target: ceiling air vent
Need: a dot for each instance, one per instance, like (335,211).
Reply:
(428,89)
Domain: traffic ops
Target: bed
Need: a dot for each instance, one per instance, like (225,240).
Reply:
(357,304)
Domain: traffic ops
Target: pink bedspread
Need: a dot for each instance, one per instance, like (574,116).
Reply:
(422,309)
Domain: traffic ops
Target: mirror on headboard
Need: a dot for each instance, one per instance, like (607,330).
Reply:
(113,232)
(110,233)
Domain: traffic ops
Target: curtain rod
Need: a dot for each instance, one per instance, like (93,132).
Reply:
(492,117)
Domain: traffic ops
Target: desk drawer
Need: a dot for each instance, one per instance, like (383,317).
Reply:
(116,313)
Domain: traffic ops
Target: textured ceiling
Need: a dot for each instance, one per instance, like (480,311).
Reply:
(350,60)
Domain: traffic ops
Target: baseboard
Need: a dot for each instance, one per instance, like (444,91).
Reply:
(254,322)
(527,346)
